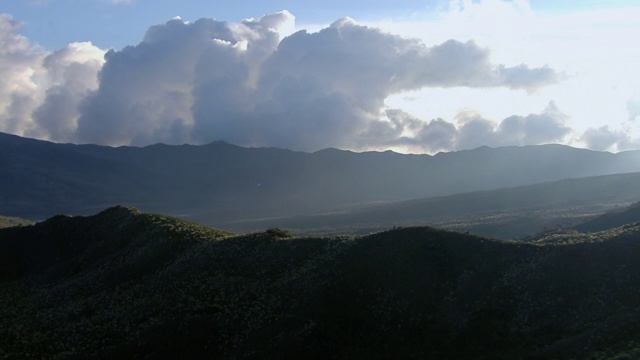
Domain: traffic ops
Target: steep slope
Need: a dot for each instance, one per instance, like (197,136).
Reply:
(153,286)
(219,182)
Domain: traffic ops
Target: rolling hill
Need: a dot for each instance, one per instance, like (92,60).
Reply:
(219,182)
(124,283)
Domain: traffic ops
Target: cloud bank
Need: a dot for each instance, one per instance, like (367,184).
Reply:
(196,82)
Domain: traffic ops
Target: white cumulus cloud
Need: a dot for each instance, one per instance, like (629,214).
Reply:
(244,83)
(40,91)
(258,83)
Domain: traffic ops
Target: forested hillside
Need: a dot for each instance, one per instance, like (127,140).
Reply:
(124,283)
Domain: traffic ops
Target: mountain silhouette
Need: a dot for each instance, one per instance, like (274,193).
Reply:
(220,182)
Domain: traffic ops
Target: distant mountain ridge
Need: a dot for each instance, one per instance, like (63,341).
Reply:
(127,284)
(220,182)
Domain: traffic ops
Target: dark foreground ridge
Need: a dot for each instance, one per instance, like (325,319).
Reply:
(123,283)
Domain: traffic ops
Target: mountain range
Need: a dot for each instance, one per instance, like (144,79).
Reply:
(125,283)
(128,284)
(219,183)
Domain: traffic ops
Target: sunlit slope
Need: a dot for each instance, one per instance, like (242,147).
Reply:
(124,283)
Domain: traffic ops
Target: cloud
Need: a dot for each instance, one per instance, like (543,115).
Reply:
(19,70)
(72,73)
(246,83)
(406,131)
(549,126)
(602,138)
(210,80)
(605,138)
(633,108)
(471,130)
(40,91)
(144,93)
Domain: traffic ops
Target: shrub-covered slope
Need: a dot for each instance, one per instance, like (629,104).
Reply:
(124,283)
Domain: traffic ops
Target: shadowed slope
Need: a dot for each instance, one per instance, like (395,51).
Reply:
(156,287)
(64,245)
(609,220)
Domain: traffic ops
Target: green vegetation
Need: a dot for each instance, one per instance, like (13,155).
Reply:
(125,284)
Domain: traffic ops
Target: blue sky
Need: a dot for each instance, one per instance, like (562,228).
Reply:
(464,73)
(55,23)
(117,23)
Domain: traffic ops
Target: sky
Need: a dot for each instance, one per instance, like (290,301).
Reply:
(410,76)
